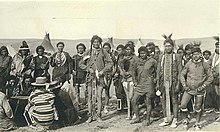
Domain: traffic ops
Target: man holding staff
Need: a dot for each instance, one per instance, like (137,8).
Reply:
(96,61)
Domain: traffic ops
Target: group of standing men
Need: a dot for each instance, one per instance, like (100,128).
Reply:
(181,79)
(178,78)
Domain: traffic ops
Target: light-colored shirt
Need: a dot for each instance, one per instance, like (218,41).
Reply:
(5,109)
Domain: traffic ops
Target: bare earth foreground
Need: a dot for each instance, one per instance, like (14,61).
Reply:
(116,122)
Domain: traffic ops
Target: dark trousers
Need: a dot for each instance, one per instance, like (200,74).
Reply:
(217,96)
(120,93)
(210,97)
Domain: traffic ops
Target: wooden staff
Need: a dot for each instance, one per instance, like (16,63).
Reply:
(18,101)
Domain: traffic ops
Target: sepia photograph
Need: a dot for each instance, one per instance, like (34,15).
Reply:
(109,65)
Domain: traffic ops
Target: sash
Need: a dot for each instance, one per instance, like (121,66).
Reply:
(168,84)
(163,57)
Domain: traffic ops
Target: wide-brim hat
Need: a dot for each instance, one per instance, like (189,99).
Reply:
(40,81)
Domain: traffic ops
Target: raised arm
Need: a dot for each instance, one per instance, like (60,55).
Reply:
(52,60)
(82,62)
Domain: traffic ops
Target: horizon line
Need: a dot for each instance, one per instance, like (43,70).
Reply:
(102,38)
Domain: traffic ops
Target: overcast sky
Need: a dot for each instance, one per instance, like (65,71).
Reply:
(120,19)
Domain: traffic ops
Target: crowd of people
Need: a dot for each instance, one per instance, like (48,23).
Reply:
(184,83)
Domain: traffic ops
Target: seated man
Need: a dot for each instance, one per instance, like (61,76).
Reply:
(40,111)
(11,86)
(24,88)
(6,113)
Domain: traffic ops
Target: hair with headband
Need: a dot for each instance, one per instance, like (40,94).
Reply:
(96,37)
(107,44)
(143,48)
(81,44)
(60,43)
(130,46)
(40,47)
(207,51)
(120,46)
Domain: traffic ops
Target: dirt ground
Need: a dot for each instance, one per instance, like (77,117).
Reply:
(116,121)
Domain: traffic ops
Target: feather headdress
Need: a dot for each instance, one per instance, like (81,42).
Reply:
(168,39)
(196,44)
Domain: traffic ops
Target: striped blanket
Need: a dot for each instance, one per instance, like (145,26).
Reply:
(40,108)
